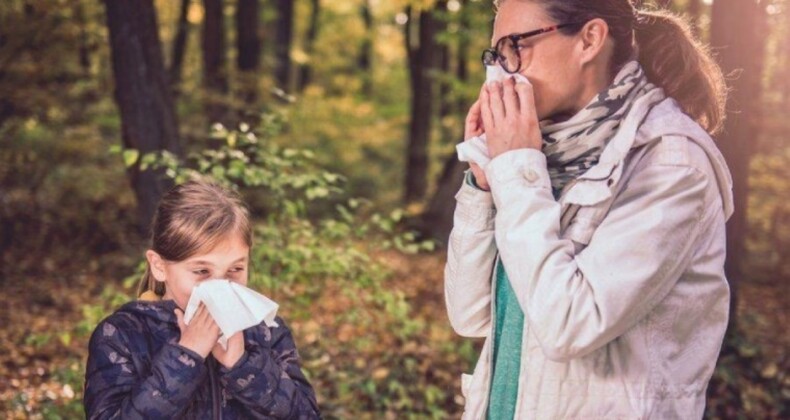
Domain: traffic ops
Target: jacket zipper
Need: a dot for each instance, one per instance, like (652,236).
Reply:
(215,391)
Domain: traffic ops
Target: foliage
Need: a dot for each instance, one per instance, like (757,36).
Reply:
(746,384)
(369,321)
(769,214)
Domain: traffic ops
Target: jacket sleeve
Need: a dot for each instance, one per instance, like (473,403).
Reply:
(268,381)
(576,304)
(471,254)
(115,388)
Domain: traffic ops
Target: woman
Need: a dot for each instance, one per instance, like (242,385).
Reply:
(589,251)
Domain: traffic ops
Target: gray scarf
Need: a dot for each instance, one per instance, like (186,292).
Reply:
(575,145)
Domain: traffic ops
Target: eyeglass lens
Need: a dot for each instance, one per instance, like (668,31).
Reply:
(508,53)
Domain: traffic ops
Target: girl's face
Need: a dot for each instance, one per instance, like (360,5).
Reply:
(229,259)
(547,60)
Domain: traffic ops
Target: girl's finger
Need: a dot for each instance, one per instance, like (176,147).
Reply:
(180,319)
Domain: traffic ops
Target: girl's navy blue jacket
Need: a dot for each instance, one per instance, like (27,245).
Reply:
(136,370)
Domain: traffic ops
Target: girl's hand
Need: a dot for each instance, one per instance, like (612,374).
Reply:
(508,112)
(201,334)
(235,350)
(473,128)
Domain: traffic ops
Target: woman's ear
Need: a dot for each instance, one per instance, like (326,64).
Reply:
(593,37)
(157,264)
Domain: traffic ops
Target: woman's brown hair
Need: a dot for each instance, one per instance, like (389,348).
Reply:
(671,56)
(192,217)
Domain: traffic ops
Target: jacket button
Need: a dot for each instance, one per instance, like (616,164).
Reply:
(531,175)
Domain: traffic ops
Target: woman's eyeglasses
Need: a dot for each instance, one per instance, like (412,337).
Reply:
(507,52)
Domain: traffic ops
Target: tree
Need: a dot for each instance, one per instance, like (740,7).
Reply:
(248,44)
(438,218)
(179,45)
(365,58)
(283,38)
(214,73)
(694,11)
(306,69)
(736,33)
(142,91)
(422,60)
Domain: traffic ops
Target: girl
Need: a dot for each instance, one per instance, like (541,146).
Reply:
(144,362)
(589,250)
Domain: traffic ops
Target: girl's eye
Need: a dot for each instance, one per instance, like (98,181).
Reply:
(237,269)
(203,272)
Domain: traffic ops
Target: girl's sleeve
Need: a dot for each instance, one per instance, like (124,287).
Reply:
(115,387)
(471,253)
(268,381)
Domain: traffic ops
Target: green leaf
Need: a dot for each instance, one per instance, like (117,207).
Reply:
(130,157)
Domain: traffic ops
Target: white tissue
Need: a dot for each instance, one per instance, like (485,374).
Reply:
(476,149)
(498,74)
(233,307)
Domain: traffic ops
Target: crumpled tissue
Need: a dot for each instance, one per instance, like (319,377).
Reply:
(475,149)
(233,307)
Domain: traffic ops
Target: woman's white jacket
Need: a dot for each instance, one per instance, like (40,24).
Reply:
(621,281)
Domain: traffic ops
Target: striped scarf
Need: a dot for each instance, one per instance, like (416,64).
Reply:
(575,145)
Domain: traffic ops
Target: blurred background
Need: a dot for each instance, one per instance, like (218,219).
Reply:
(337,120)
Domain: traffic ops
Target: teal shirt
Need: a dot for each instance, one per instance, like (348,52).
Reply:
(508,329)
(506,360)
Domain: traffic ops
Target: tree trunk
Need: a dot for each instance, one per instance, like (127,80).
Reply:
(282,43)
(421,61)
(445,57)
(785,72)
(179,46)
(365,59)
(142,91)
(248,45)
(214,75)
(664,4)
(438,218)
(736,33)
(306,69)
(694,11)
(84,44)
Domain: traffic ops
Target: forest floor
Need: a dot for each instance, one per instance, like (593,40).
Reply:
(40,311)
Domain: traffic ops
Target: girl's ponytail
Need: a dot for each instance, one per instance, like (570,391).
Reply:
(677,62)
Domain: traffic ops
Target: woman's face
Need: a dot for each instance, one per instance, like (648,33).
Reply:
(547,60)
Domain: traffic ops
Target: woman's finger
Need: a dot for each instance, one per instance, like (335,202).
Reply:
(526,99)
(474,123)
(510,98)
(495,101)
(485,110)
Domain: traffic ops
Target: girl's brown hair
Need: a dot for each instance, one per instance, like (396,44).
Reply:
(192,217)
(670,55)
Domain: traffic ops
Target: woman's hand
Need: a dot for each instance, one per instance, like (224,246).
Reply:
(473,127)
(235,350)
(509,117)
(201,334)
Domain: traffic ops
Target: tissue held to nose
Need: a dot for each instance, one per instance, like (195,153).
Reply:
(475,149)
(233,307)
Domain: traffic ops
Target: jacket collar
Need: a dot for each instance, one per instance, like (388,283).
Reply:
(659,117)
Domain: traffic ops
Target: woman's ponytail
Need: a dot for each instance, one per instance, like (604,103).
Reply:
(667,50)
(677,62)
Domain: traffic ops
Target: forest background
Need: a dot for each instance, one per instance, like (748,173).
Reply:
(337,120)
